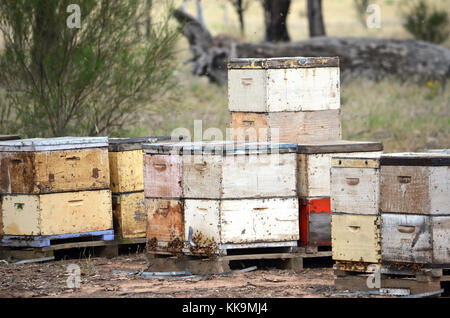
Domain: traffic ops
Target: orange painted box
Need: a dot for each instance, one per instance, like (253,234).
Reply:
(315,221)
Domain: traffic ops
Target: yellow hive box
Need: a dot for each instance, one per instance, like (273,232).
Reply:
(57,213)
(130,217)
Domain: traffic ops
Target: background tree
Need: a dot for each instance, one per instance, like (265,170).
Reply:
(315,18)
(275,15)
(361,10)
(89,81)
(241,6)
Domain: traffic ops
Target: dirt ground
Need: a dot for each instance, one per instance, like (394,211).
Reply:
(98,280)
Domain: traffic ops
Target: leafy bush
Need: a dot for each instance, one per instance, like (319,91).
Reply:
(92,80)
(426,23)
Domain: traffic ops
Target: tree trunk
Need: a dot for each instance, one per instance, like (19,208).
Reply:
(275,15)
(148,20)
(315,18)
(373,58)
(240,12)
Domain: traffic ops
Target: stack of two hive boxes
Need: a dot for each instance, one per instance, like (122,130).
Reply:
(55,189)
(207,198)
(393,209)
(295,100)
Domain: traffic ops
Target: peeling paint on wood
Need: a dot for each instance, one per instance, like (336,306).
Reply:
(314,173)
(204,218)
(202,176)
(415,189)
(406,238)
(305,127)
(127,168)
(130,217)
(283,85)
(251,127)
(163,176)
(261,220)
(57,213)
(356,238)
(355,190)
(259,176)
(165,220)
(54,171)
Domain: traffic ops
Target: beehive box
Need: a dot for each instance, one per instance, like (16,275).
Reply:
(417,239)
(56,213)
(227,194)
(356,238)
(314,163)
(215,171)
(415,183)
(289,84)
(126,163)
(37,166)
(355,184)
(5,138)
(165,220)
(285,127)
(315,222)
(129,215)
(243,221)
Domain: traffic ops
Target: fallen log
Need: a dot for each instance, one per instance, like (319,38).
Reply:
(372,58)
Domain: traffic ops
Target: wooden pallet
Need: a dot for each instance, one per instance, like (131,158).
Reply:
(290,257)
(102,248)
(411,279)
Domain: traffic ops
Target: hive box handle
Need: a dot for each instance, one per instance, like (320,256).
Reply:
(406,228)
(160,166)
(404,179)
(352,181)
(354,228)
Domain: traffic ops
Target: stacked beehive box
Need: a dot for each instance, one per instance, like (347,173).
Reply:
(127,185)
(392,209)
(4,138)
(415,208)
(356,221)
(215,197)
(314,164)
(53,189)
(284,99)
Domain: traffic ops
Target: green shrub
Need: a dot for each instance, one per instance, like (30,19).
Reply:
(426,23)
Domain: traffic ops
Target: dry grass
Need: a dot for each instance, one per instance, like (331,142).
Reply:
(405,116)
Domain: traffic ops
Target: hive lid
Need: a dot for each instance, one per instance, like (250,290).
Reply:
(339,146)
(415,159)
(444,151)
(9,137)
(226,148)
(128,144)
(48,144)
(283,62)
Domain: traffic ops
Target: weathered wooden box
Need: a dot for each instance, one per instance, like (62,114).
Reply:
(126,163)
(34,166)
(5,138)
(165,221)
(315,222)
(356,238)
(314,163)
(221,171)
(416,183)
(285,127)
(417,239)
(57,213)
(355,184)
(129,215)
(284,84)
(246,221)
